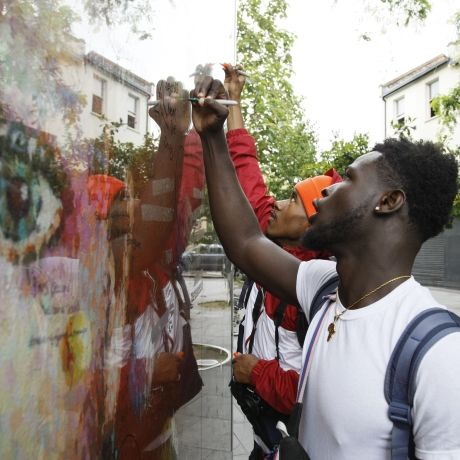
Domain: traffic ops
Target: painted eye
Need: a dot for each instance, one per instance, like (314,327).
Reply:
(30,212)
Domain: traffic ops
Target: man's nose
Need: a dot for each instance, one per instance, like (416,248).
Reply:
(280,205)
(325,192)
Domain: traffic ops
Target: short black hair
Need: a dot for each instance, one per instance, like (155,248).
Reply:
(427,175)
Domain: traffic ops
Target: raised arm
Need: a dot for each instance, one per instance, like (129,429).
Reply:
(154,208)
(234,83)
(243,151)
(234,220)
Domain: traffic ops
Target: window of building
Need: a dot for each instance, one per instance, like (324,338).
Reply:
(133,106)
(432,92)
(399,109)
(99,96)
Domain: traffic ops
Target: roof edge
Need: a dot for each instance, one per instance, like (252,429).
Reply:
(414,74)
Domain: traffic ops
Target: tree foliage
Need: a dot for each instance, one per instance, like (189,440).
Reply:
(339,156)
(447,106)
(411,9)
(403,128)
(110,156)
(35,43)
(271,110)
(138,14)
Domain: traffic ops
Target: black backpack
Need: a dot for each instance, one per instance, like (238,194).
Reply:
(302,324)
(261,415)
(418,337)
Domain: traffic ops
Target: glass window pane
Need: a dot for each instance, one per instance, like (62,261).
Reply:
(116,338)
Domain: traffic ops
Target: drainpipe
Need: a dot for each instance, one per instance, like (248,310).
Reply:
(147,116)
(384,117)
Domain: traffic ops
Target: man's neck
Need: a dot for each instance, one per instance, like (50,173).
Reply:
(371,277)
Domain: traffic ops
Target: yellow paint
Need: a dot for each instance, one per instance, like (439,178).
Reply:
(75,348)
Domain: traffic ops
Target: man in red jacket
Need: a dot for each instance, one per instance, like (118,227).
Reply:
(271,368)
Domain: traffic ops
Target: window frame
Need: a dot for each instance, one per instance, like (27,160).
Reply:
(102,97)
(399,115)
(135,114)
(429,97)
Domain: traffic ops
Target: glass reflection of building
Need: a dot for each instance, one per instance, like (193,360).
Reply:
(95,213)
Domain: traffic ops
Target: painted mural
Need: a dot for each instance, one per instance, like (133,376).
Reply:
(96,344)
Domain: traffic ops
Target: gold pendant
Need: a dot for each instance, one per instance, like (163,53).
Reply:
(331,331)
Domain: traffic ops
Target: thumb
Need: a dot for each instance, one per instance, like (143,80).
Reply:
(219,109)
(180,355)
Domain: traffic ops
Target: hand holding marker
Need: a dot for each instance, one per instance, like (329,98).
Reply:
(199,101)
(227,66)
(227,102)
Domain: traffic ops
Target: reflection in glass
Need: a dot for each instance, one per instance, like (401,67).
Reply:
(96,212)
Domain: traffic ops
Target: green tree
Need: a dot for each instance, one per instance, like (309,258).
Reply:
(272,111)
(115,158)
(403,128)
(339,156)
(138,14)
(447,106)
(32,34)
(410,9)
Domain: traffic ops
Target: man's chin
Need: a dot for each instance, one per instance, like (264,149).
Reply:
(317,238)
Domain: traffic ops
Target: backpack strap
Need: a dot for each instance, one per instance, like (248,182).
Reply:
(278,319)
(327,288)
(242,303)
(419,336)
(255,316)
(294,419)
(302,325)
(245,292)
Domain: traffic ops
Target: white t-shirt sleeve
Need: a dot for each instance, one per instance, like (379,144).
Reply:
(310,277)
(436,408)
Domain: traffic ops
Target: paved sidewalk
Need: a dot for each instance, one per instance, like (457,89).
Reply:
(448,297)
(204,425)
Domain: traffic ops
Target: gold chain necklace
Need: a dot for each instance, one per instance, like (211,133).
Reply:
(331,329)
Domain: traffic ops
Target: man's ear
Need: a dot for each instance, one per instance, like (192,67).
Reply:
(391,201)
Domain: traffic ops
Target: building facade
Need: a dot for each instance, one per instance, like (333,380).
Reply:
(114,94)
(108,93)
(407,99)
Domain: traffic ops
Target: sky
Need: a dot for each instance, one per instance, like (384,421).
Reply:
(337,72)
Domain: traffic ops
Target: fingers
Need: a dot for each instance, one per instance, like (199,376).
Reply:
(172,109)
(207,92)
(183,95)
(217,90)
(203,86)
(180,355)
(161,87)
(228,70)
(231,70)
(209,89)
(154,111)
(236,355)
(168,88)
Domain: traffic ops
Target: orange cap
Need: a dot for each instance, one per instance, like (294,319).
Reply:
(102,190)
(310,189)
